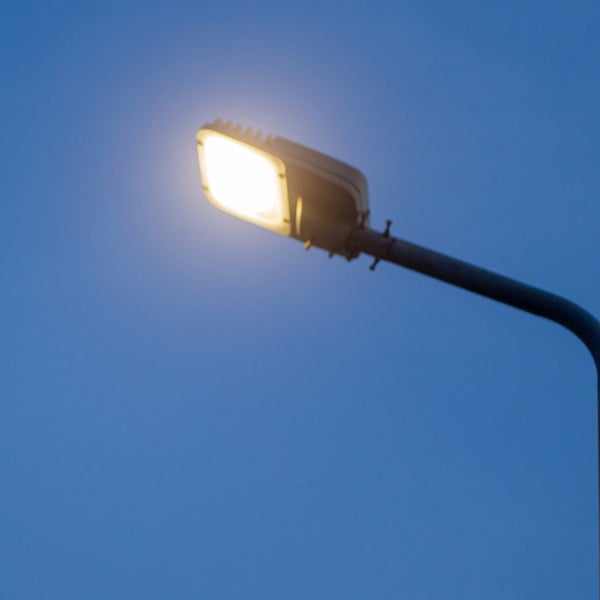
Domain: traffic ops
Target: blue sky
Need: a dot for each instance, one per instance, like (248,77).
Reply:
(193,407)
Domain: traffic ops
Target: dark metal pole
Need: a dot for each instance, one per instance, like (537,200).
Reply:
(382,246)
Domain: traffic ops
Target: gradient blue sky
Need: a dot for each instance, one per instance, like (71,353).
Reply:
(193,407)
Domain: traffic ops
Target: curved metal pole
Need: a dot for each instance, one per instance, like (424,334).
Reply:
(585,326)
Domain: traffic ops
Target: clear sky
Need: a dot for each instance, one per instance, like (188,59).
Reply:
(193,407)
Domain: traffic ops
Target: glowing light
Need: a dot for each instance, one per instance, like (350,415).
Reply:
(243,180)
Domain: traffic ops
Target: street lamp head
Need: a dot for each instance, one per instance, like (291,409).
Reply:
(282,186)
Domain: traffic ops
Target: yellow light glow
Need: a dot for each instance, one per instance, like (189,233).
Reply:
(244,180)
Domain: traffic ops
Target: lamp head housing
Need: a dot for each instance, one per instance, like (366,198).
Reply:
(282,186)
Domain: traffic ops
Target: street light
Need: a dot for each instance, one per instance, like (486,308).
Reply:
(321,201)
(283,186)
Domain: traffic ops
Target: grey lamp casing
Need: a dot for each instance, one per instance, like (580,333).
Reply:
(327,198)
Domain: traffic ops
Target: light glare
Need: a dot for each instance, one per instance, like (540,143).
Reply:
(244,180)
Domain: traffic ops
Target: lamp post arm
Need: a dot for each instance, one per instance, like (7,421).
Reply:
(482,282)
(585,326)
